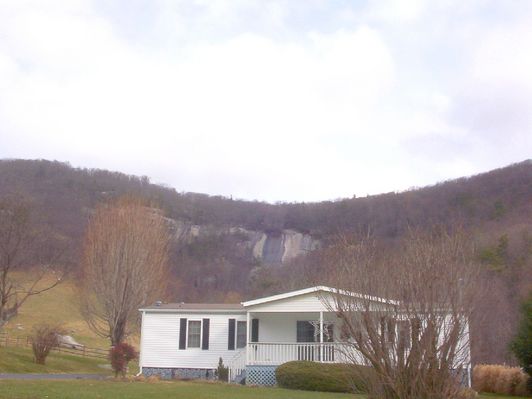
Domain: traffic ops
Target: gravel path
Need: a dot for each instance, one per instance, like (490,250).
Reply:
(52,376)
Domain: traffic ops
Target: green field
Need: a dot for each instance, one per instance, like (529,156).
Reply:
(494,396)
(61,306)
(20,360)
(110,389)
(140,390)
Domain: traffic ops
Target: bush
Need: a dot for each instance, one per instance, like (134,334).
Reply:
(43,339)
(521,345)
(467,393)
(499,379)
(222,372)
(312,376)
(120,355)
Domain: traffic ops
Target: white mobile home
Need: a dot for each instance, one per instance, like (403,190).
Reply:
(253,338)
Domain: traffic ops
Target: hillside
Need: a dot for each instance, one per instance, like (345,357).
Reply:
(66,194)
(227,249)
(59,306)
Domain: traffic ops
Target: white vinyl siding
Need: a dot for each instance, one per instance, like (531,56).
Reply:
(160,340)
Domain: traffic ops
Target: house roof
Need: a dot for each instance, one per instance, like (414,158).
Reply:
(318,288)
(241,307)
(198,307)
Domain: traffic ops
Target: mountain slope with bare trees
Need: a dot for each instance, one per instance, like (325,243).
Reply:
(214,256)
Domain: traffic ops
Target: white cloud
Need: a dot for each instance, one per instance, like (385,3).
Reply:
(247,107)
(504,56)
(205,102)
(396,11)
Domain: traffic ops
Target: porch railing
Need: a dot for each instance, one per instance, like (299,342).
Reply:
(269,353)
(237,367)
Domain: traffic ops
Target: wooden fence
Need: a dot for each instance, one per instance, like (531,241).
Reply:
(7,340)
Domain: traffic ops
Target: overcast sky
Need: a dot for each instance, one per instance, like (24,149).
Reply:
(270,100)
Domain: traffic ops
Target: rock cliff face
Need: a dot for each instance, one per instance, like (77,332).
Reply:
(268,248)
(280,248)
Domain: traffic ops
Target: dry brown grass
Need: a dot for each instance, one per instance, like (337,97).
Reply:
(57,306)
(500,379)
(467,393)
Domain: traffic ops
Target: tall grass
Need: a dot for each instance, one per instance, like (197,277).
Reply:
(499,379)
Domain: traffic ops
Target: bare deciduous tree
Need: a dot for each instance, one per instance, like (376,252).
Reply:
(44,338)
(28,254)
(124,265)
(417,342)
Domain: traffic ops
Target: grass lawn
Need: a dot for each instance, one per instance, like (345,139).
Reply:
(20,360)
(10,389)
(143,390)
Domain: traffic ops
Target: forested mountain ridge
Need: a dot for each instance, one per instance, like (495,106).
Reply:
(65,196)
(63,190)
(227,249)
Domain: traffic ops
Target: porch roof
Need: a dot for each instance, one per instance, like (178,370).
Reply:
(316,289)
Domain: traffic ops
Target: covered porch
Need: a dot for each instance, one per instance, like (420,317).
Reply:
(298,325)
(275,338)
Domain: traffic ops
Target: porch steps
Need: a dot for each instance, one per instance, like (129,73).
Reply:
(237,368)
(240,378)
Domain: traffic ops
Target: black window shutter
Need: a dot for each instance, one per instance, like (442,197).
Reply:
(231,336)
(301,331)
(182,333)
(205,338)
(255,330)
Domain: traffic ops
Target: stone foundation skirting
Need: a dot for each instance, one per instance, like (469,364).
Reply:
(179,373)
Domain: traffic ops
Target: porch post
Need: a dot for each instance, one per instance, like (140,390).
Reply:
(321,327)
(248,338)
(321,336)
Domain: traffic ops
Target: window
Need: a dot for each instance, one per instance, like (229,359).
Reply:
(194,333)
(305,332)
(404,334)
(309,331)
(391,330)
(241,331)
